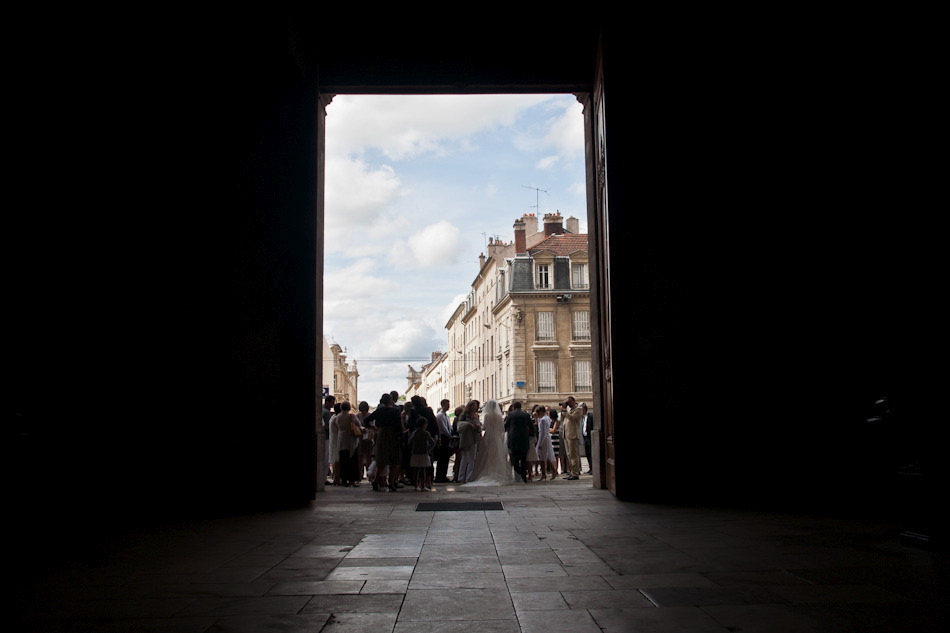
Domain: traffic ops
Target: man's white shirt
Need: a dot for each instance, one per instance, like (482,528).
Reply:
(444,427)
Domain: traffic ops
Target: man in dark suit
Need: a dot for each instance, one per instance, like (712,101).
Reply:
(444,449)
(519,423)
(587,424)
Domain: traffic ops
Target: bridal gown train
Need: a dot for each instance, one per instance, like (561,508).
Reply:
(491,460)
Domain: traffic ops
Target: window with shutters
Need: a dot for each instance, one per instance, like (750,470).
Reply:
(580,330)
(546,382)
(582,377)
(545,326)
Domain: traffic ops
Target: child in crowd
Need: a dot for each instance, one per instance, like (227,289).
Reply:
(421,444)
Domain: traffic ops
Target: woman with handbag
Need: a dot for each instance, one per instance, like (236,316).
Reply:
(349,434)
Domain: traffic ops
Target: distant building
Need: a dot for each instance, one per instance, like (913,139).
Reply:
(340,378)
(414,380)
(523,333)
(428,381)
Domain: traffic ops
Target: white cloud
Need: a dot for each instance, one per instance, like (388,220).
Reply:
(404,338)
(566,131)
(363,196)
(560,135)
(408,126)
(352,283)
(349,293)
(435,245)
(373,317)
(446,312)
(356,197)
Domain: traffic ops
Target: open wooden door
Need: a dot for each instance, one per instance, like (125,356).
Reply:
(602,438)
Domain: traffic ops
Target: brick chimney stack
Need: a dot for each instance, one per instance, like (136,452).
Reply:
(573,225)
(521,245)
(552,224)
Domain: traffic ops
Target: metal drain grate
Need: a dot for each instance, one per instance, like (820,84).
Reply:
(459,506)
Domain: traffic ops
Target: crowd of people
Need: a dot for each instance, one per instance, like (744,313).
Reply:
(400,445)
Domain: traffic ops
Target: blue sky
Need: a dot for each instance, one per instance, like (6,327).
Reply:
(414,187)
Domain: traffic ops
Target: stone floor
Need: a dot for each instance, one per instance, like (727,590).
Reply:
(560,557)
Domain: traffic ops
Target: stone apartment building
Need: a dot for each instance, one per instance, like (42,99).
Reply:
(523,333)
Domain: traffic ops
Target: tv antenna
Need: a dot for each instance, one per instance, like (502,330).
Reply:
(536,195)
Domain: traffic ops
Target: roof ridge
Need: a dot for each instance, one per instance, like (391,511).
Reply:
(560,242)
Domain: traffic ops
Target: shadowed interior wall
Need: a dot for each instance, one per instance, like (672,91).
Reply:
(164,341)
(774,272)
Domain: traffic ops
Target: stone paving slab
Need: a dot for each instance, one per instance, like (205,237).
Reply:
(469,580)
(429,605)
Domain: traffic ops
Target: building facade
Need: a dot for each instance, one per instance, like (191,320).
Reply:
(429,381)
(344,385)
(523,332)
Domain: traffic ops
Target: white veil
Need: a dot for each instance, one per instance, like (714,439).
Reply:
(492,419)
(491,459)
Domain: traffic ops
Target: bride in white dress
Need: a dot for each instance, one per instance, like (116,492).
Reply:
(491,461)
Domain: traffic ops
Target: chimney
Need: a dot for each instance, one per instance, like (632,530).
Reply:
(531,224)
(521,245)
(481,260)
(573,225)
(552,224)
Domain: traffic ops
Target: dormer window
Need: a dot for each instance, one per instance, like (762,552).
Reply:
(579,279)
(544,276)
